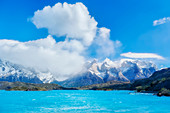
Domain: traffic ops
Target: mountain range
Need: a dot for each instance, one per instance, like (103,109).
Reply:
(158,83)
(94,72)
(126,70)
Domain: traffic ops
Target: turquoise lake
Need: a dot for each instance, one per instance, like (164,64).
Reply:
(81,101)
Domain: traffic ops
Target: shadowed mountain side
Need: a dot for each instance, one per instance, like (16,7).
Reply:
(158,83)
(82,80)
(111,85)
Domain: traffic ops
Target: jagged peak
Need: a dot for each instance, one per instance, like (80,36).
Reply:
(107,60)
(94,61)
(126,60)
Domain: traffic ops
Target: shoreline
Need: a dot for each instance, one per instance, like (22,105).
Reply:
(157,93)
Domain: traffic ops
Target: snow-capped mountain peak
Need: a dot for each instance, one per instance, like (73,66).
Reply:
(14,72)
(119,70)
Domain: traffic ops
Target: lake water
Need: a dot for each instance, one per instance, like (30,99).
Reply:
(78,101)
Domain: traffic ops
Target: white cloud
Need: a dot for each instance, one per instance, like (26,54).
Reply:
(43,54)
(65,58)
(70,20)
(80,29)
(72,46)
(142,55)
(161,21)
(104,46)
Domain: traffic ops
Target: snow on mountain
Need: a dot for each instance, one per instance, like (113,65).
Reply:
(137,69)
(94,72)
(12,72)
(119,70)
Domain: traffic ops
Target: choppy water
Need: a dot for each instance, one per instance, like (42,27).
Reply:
(77,101)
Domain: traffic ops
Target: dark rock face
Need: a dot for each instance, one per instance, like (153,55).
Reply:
(148,72)
(114,75)
(108,77)
(133,71)
(82,80)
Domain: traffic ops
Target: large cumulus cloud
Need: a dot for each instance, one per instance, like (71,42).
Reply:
(43,54)
(65,58)
(70,20)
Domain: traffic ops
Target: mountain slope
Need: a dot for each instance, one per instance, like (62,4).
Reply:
(82,80)
(4,85)
(12,72)
(159,79)
(158,83)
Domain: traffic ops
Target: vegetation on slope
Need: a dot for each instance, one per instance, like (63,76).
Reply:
(11,86)
(158,83)
(111,85)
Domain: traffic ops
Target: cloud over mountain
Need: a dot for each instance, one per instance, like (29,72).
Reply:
(142,55)
(65,58)
(43,54)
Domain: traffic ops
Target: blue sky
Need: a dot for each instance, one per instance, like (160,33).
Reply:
(130,22)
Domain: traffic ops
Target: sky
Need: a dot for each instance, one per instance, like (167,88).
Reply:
(110,28)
